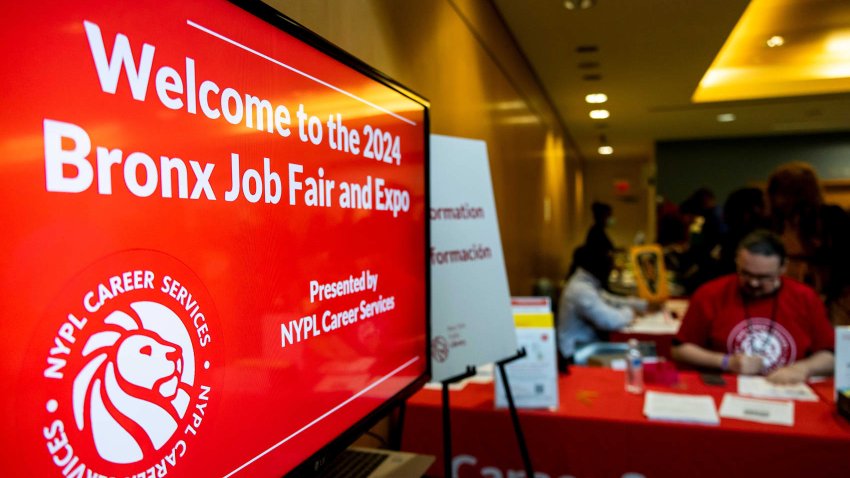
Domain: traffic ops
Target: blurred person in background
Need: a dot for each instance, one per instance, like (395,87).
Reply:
(602,218)
(816,236)
(672,236)
(704,227)
(757,321)
(586,312)
(743,212)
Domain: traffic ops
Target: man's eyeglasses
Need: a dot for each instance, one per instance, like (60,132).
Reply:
(760,278)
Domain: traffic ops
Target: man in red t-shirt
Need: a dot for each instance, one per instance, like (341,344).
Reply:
(756,321)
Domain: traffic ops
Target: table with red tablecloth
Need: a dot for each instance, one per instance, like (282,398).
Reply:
(599,431)
(659,327)
(663,342)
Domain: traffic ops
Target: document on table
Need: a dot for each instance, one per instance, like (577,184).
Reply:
(759,387)
(676,308)
(454,387)
(756,410)
(676,407)
(656,323)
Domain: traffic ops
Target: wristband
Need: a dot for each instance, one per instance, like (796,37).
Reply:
(724,364)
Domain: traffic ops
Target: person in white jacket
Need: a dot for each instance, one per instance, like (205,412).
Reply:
(586,312)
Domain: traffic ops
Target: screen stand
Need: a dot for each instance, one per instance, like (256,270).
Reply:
(397,426)
(523,449)
(447,427)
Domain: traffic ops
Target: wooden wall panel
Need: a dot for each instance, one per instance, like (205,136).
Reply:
(460,56)
(632,207)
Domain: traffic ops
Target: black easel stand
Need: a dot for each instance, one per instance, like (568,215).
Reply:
(523,449)
(447,431)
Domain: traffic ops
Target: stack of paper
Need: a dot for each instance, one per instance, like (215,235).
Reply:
(680,408)
(656,323)
(759,387)
(755,410)
(676,308)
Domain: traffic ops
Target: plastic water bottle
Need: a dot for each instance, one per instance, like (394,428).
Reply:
(634,368)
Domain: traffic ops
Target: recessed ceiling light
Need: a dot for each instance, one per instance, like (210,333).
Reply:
(726,117)
(596,98)
(580,4)
(775,41)
(521,119)
(587,49)
(599,114)
(606,150)
(509,105)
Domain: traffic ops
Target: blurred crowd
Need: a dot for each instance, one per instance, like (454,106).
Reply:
(699,238)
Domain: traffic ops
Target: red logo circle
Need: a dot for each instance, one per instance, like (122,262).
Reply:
(130,349)
(765,338)
(440,348)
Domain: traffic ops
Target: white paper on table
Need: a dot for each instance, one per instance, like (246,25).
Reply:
(676,308)
(756,410)
(759,387)
(483,374)
(533,378)
(453,387)
(680,408)
(656,323)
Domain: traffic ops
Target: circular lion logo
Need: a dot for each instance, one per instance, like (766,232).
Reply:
(440,349)
(134,387)
(764,338)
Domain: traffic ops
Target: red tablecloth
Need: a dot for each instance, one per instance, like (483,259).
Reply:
(600,431)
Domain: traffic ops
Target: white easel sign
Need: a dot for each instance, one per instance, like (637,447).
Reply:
(470,300)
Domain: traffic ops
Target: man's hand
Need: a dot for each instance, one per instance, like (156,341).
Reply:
(745,364)
(794,373)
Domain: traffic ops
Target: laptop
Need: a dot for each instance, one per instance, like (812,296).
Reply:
(359,462)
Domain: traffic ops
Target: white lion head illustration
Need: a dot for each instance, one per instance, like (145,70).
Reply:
(132,393)
(146,361)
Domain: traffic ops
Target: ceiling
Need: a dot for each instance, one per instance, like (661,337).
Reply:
(650,58)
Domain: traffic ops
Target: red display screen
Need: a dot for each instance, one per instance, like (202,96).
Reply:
(214,238)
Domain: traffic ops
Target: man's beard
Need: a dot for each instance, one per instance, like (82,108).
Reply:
(758,293)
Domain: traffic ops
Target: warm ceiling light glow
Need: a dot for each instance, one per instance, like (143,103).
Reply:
(726,117)
(814,63)
(521,119)
(716,76)
(580,4)
(775,41)
(836,72)
(509,105)
(606,150)
(599,114)
(596,98)
(838,44)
